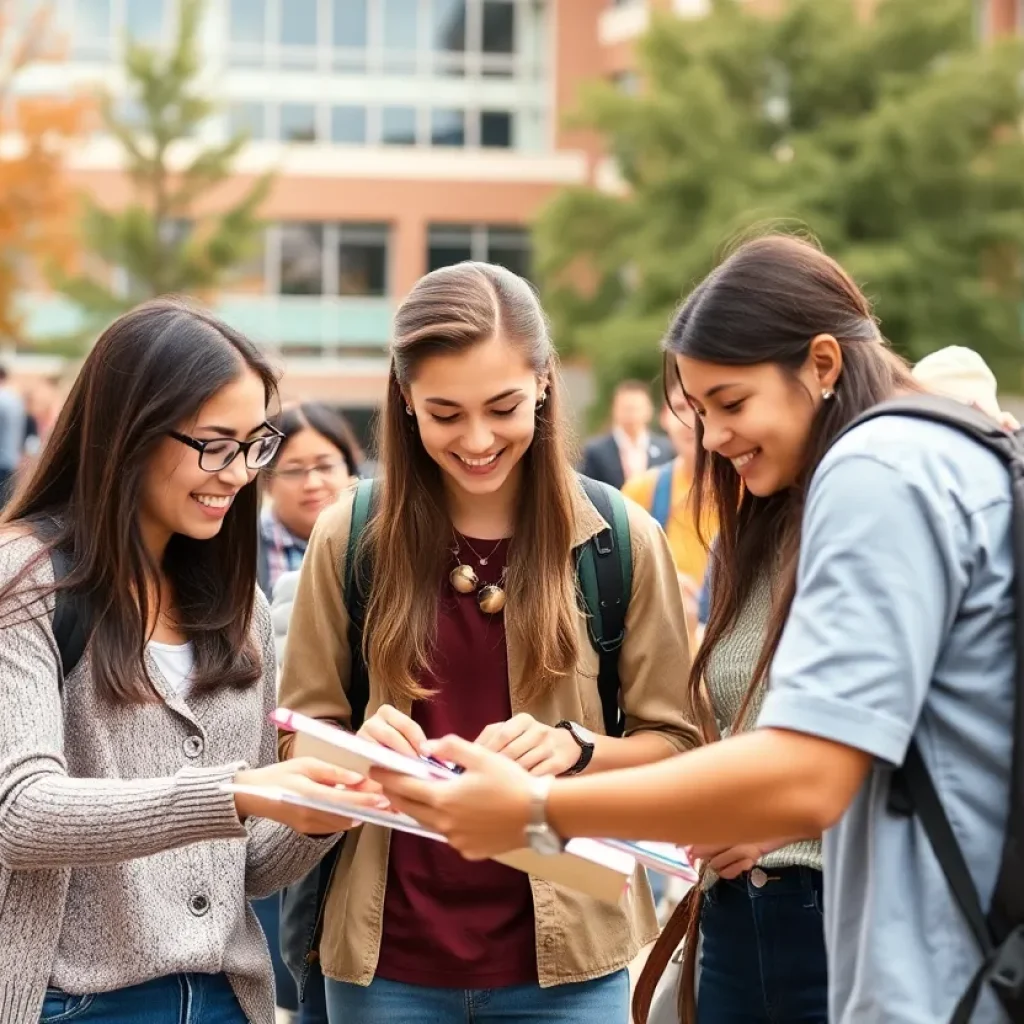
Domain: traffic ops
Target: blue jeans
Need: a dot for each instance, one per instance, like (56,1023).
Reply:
(604,1001)
(763,953)
(176,999)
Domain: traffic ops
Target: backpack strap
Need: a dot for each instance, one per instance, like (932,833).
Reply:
(661,502)
(1000,934)
(604,568)
(358,576)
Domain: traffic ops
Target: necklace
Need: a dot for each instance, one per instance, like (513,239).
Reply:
(464,580)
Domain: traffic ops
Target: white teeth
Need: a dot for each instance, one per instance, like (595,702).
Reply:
(478,462)
(742,460)
(213,500)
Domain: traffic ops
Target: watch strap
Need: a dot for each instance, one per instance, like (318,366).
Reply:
(586,749)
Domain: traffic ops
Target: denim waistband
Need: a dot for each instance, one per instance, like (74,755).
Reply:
(761,882)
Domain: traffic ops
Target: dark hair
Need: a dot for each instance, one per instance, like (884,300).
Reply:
(323,420)
(3,373)
(150,370)
(451,310)
(765,304)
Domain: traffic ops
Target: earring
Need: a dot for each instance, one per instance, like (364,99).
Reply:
(543,398)
(827,393)
(408,410)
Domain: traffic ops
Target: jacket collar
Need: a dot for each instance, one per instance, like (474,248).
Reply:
(587,521)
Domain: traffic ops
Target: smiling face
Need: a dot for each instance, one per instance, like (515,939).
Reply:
(476,414)
(309,474)
(178,496)
(758,417)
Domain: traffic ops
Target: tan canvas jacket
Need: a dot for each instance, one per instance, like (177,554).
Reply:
(578,937)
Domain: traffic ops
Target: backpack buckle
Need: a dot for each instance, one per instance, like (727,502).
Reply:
(1006,971)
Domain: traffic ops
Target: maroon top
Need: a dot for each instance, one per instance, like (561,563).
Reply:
(449,922)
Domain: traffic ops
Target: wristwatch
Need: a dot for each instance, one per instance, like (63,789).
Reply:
(585,739)
(540,836)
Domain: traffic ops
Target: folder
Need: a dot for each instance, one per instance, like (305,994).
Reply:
(587,865)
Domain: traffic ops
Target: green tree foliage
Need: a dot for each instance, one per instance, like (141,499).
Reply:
(895,140)
(159,238)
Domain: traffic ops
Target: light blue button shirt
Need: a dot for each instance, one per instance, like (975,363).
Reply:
(903,626)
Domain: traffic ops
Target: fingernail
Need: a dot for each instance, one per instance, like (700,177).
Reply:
(428,748)
(382,801)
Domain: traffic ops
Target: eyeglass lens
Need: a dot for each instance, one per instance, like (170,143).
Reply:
(220,454)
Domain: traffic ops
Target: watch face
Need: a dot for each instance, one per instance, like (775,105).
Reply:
(543,840)
(584,734)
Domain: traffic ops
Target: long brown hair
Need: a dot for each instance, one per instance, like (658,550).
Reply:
(149,371)
(765,304)
(409,538)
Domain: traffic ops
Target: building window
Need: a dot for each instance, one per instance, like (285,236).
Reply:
(91,35)
(400,34)
(298,34)
(363,260)
(448,128)
(144,20)
(350,34)
(248,118)
(448,245)
(499,26)
(348,125)
(247,32)
(298,122)
(507,246)
(302,259)
(398,126)
(450,25)
(496,129)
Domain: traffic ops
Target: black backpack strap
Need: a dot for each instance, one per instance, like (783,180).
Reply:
(302,904)
(70,618)
(605,572)
(358,575)
(1000,933)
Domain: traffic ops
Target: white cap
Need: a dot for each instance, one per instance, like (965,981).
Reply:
(960,373)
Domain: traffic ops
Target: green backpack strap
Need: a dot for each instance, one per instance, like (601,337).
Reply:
(604,566)
(358,574)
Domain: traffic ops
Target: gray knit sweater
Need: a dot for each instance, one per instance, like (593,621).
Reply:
(727,677)
(121,860)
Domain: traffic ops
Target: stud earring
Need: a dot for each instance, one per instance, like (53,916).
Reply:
(408,410)
(827,393)
(543,398)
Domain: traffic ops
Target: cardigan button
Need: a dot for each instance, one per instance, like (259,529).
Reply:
(199,905)
(193,746)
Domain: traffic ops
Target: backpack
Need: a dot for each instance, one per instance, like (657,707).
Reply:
(604,569)
(1000,933)
(661,500)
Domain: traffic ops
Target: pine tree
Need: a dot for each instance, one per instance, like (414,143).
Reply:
(158,238)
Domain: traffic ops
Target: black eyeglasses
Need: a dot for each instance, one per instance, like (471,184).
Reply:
(218,453)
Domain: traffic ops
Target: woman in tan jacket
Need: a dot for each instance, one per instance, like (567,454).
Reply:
(479,504)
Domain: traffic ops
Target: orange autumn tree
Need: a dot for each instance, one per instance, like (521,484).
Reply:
(37,204)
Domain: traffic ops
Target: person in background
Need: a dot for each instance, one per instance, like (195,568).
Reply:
(13,424)
(319,456)
(960,373)
(665,492)
(630,449)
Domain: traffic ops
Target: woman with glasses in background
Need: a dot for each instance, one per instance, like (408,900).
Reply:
(319,455)
(126,864)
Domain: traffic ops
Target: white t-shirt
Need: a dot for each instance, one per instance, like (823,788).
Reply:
(175,661)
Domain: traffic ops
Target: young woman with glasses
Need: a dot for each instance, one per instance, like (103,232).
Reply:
(125,864)
(318,457)
(473,625)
